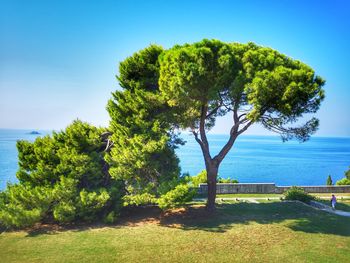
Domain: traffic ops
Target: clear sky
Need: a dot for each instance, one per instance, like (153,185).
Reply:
(58,59)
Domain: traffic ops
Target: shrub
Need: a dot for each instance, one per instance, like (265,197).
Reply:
(64,212)
(177,197)
(297,193)
(63,177)
(347,174)
(139,199)
(200,178)
(227,181)
(110,218)
(343,181)
(22,206)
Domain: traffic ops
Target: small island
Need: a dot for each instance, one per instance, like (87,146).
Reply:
(34,132)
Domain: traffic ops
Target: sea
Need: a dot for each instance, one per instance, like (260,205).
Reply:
(253,159)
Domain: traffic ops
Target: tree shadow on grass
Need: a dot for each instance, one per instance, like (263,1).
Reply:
(297,217)
(130,217)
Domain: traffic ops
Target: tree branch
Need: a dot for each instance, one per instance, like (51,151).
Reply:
(203,135)
(213,111)
(221,155)
(245,127)
(205,150)
(223,104)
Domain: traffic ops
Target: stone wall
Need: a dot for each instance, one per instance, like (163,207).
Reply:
(318,189)
(269,188)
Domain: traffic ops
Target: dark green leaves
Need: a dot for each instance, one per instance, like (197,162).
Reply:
(265,85)
(62,177)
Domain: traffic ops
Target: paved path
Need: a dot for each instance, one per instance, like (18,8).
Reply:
(328,209)
(240,199)
(312,204)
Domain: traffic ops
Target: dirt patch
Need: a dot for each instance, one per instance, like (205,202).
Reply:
(132,216)
(185,216)
(137,216)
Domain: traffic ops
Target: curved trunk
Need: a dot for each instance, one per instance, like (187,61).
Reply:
(212,173)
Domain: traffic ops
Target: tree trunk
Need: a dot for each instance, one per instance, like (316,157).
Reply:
(212,172)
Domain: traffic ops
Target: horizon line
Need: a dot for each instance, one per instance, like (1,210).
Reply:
(182,132)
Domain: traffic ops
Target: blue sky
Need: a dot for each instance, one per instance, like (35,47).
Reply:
(58,59)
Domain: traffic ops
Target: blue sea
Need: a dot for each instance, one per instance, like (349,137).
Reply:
(252,159)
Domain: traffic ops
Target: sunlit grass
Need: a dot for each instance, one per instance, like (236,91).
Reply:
(238,232)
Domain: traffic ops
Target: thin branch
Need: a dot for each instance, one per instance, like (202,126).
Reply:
(223,104)
(196,137)
(245,128)
(240,116)
(213,111)
(205,150)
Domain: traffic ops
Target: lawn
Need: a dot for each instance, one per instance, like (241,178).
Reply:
(238,232)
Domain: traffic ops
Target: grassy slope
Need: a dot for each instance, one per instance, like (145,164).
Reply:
(240,232)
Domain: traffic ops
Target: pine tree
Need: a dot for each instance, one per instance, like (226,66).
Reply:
(329,180)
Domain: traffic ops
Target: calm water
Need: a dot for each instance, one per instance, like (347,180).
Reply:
(8,153)
(252,159)
(267,159)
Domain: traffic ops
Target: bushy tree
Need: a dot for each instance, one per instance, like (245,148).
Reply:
(62,177)
(177,197)
(345,180)
(298,194)
(142,136)
(208,79)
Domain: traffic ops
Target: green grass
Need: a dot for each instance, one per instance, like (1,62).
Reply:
(238,232)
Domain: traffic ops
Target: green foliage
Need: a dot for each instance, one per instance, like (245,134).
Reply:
(64,212)
(227,180)
(189,86)
(346,180)
(267,86)
(201,178)
(22,206)
(177,197)
(143,154)
(63,177)
(347,174)
(168,185)
(110,218)
(92,203)
(297,193)
(139,199)
(329,180)
(343,181)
